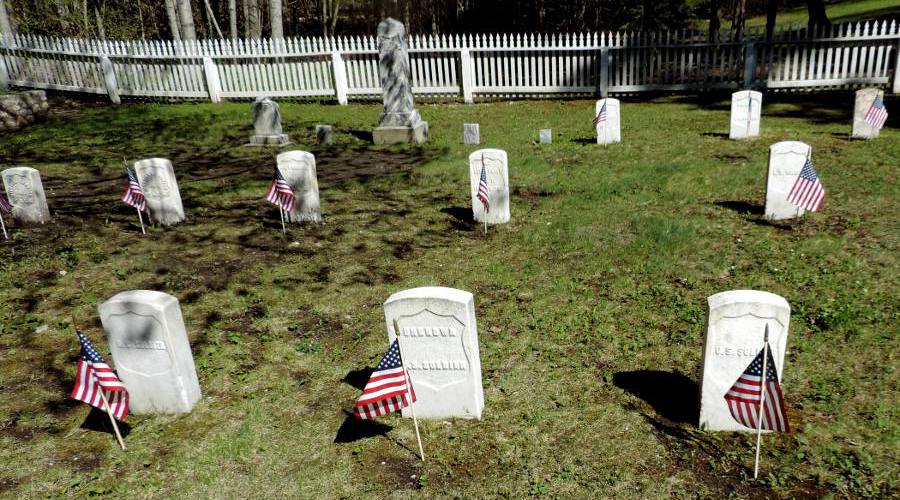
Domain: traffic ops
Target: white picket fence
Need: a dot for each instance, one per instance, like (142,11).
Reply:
(469,66)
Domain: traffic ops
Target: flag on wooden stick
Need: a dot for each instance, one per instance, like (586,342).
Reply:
(483,189)
(877,113)
(747,398)
(134,195)
(808,191)
(387,389)
(600,119)
(4,204)
(96,383)
(280,193)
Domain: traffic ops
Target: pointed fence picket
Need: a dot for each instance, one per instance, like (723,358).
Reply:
(467,66)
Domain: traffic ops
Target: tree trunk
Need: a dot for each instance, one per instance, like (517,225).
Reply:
(211,15)
(254,29)
(6,24)
(714,22)
(186,15)
(232,18)
(62,9)
(740,15)
(100,29)
(275,19)
(771,13)
(817,15)
(172,14)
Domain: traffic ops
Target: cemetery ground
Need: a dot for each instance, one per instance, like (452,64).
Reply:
(591,303)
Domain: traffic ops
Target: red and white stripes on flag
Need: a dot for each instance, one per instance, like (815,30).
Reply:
(280,193)
(134,195)
(877,113)
(483,188)
(808,191)
(4,204)
(386,391)
(601,116)
(94,375)
(744,396)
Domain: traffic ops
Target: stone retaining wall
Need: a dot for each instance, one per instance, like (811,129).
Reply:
(22,108)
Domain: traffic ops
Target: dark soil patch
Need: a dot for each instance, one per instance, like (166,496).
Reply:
(399,472)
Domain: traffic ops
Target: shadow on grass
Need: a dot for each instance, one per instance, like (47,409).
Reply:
(98,420)
(353,429)
(462,219)
(721,135)
(742,207)
(673,396)
(585,141)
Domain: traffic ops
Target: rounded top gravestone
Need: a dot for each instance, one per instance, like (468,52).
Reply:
(438,339)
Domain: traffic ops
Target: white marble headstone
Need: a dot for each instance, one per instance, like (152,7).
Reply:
(786,160)
(864,100)
(497,171)
(151,352)
(25,193)
(609,131)
(734,336)
(746,107)
(299,170)
(439,339)
(471,133)
(157,178)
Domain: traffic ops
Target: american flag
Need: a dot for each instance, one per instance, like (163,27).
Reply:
(877,113)
(387,387)
(134,195)
(743,397)
(601,116)
(4,204)
(94,375)
(280,193)
(483,188)
(807,192)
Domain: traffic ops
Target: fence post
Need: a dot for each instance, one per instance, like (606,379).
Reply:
(466,78)
(213,85)
(109,77)
(749,63)
(4,73)
(895,88)
(340,77)
(603,84)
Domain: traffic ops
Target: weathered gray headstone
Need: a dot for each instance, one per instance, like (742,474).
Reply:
(267,123)
(496,170)
(734,336)
(25,193)
(471,133)
(400,122)
(864,100)
(786,160)
(151,352)
(746,107)
(546,136)
(157,178)
(608,130)
(324,135)
(299,170)
(439,342)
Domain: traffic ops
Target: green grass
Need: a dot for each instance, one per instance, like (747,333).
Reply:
(590,303)
(838,12)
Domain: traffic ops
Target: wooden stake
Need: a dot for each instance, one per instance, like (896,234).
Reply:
(485,224)
(4,227)
(762,398)
(141,218)
(281,211)
(412,407)
(112,419)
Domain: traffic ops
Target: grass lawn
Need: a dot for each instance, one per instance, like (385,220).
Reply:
(838,12)
(590,303)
